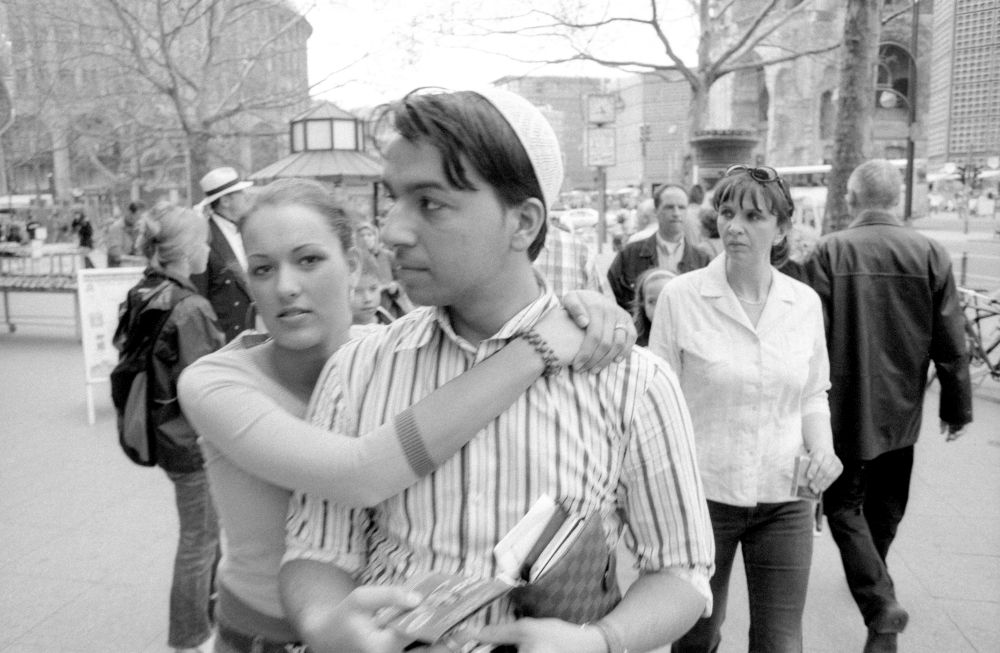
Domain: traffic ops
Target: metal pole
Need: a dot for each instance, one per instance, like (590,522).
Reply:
(602,224)
(911,110)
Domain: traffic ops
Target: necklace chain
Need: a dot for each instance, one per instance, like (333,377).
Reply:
(752,303)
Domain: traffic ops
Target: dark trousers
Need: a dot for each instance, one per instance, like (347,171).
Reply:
(863,508)
(777,542)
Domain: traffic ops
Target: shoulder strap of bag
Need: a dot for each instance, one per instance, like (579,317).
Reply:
(167,312)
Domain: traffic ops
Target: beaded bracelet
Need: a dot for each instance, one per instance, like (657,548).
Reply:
(412,443)
(552,366)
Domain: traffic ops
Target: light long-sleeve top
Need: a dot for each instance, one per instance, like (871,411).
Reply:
(748,388)
(256,449)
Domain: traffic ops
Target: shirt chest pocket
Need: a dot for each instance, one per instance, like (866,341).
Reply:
(709,354)
(794,350)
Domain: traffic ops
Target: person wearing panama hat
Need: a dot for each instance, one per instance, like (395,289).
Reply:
(224,280)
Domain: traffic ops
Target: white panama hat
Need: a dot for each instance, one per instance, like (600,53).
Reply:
(219,182)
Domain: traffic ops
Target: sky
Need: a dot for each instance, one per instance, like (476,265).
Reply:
(364,52)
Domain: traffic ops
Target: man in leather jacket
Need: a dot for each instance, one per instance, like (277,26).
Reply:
(891,307)
(672,247)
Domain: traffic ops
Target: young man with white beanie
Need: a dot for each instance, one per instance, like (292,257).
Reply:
(472,175)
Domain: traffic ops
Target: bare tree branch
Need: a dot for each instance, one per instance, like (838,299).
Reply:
(792,56)
(891,17)
(748,33)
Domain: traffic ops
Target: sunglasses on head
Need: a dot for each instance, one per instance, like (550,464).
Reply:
(757,173)
(761,174)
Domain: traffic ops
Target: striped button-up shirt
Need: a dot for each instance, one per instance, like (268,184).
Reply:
(619,439)
(567,263)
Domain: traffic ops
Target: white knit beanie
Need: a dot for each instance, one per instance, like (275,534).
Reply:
(536,136)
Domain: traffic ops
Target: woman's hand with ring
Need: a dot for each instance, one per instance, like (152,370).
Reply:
(610,332)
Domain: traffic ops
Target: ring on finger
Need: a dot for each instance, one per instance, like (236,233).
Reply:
(622,326)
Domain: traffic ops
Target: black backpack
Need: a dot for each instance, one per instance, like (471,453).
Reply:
(130,377)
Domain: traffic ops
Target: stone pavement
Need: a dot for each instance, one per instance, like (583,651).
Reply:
(87,539)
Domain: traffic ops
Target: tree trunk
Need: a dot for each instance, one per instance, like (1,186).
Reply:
(197,163)
(855,105)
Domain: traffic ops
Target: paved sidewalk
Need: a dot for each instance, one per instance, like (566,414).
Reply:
(88,538)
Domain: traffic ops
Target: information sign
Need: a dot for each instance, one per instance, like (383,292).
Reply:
(600,146)
(600,108)
(100,291)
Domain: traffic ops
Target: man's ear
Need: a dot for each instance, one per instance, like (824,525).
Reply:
(530,216)
(851,198)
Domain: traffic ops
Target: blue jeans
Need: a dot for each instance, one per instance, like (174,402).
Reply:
(194,565)
(777,543)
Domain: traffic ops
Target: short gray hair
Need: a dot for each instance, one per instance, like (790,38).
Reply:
(875,183)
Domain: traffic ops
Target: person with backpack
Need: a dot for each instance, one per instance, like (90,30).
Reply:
(165,325)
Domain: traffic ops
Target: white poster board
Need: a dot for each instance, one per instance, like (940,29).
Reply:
(100,291)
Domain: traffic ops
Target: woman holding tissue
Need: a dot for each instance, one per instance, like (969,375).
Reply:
(749,347)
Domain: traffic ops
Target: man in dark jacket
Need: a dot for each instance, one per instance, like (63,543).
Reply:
(891,307)
(670,248)
(224,282)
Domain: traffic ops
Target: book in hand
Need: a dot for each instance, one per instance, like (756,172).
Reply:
(543,539)
(800,483)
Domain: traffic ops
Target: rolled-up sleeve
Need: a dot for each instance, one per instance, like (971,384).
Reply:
(662,488)
(815,398)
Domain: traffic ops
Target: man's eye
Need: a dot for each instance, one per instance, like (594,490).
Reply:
(430,205)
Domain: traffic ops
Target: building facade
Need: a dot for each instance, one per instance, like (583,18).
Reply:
(115,108)
(563,100)
(790,107)
(963,126)
(651,131)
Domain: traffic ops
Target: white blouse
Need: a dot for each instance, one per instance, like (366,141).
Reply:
(747,388)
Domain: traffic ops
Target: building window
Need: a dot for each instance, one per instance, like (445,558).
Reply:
(345,135)
(893,82)
(318,135)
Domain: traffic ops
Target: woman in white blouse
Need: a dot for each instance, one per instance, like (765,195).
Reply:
(748,345)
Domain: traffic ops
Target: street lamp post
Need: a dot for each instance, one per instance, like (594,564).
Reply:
(888,96)
(911,105)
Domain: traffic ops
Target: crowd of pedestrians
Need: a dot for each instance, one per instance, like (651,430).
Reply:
(388,400)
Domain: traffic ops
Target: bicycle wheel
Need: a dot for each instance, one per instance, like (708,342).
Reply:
(985,362)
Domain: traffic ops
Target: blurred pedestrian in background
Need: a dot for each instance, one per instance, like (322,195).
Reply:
(567,262)
(645,220)
(224,281)
(84,231)
(366,294)
(708,226)
(647,290)
(393,297)
(670,248)
(176,242)
(747,343)
(696,199)
(123,236)
(891,307)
